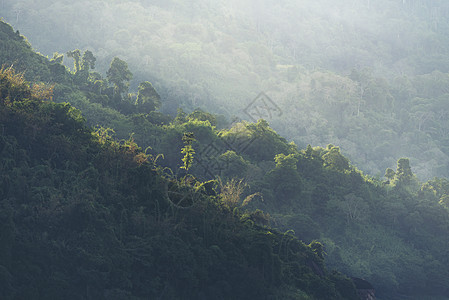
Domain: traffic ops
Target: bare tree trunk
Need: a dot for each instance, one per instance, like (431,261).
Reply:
(17,11)
(360,100)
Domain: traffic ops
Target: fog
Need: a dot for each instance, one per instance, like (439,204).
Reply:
(369,76)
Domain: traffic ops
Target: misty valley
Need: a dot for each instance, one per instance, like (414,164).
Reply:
(247,149)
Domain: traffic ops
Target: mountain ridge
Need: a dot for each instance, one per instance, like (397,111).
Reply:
(390,231)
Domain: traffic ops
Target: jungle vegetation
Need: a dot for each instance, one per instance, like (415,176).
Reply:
(112,190)
(369,76)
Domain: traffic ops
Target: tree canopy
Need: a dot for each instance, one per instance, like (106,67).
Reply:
(75,199)
(119,75)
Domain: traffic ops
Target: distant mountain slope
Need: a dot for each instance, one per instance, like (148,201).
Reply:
(219,55)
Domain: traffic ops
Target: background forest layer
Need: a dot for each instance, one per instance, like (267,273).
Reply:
(369,76)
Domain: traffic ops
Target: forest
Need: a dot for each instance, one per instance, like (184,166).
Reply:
(86,216)
(369,76)
(146,181)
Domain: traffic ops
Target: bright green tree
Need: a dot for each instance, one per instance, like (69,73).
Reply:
(188,151)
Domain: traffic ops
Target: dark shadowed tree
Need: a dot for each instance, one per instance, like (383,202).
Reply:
(57,58)
(119,75)
(389,174)
(148,99)
(335,160)
(76,55)
(404,171)
(88,61)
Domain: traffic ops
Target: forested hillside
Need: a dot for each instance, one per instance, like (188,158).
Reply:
(369,76)
(75,196)
(87,217)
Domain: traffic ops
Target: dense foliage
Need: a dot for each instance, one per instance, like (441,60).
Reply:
(72,188)
(392,232)
(369,76)
(87,217)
